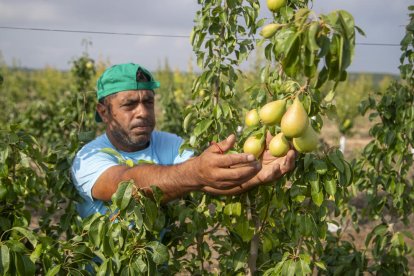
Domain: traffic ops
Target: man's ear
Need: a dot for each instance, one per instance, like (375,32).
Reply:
(103,112)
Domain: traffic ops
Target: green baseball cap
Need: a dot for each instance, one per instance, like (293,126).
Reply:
(123,77)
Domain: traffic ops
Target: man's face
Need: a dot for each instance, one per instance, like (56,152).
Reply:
(130,118)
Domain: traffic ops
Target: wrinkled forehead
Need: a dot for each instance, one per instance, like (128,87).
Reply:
(134,94)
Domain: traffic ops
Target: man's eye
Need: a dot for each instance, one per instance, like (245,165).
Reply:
(129,104)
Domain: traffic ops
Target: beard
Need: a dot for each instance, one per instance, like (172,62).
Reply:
(136,137)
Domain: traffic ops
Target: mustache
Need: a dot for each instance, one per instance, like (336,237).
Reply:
(142,123)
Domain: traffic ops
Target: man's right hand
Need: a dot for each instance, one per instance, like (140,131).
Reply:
(224,171)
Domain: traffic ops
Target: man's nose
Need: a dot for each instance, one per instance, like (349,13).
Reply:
(141,110)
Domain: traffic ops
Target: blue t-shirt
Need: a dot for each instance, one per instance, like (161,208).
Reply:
(90,162)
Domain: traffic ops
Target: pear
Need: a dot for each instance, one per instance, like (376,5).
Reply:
(271,113)
(295,120)
(275,5)
(252,118)
(254,146)
(308,141)
(279,145)
(270,30)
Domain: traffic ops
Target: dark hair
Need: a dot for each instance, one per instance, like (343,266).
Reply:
(142,76)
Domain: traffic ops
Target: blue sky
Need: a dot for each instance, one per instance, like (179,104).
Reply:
(382,20)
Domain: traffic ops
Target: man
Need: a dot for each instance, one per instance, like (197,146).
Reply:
(126,105)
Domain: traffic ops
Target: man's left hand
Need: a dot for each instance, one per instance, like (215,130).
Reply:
(274,167)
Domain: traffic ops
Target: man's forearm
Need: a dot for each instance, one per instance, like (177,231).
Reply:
(210,169)
(174,181)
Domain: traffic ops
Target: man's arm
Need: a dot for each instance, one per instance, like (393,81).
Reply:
(209,170)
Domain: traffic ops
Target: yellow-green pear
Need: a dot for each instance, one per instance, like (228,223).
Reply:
(271,113)
(270,30)
(295,120)
(308,141)
(275,5)
(252,118)
(254,146)
(279,145)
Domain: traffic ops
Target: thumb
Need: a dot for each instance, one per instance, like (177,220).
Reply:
(223,146)
(269,137)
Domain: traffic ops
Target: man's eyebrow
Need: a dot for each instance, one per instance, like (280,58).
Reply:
(137,99)
(129,100)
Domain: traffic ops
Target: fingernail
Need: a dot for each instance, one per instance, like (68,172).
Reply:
(251,157)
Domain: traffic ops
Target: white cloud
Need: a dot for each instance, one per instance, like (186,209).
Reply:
(383,22)
(24,12)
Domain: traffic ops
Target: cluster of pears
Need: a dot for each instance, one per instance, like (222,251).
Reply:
(294,124)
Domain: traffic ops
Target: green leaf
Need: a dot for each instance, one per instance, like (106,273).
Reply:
(320,166)
(244,230)
(24,265)
(150,213)
(321,265)
(202,126)
(289,268)
(36,253)
(267,242)
(347,23)
(123,195)
(139,265)
(112,152)
(330,96)
(330,186)
(187,121)
(307,161)
(336,161)
(322,77)
(313,179)
(349,175)
(157,194)
(4,259)
(380,229)
(28,234)
(159,252)
(311,37)
(138,217)
(55,270)
(95,232)
(105,268)
(317,198)
(302,268)
(233,209)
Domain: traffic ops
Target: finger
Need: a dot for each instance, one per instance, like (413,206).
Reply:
(289,161)
(224,145)
(272,174)
(238,175)
(277,172)
(235,159)
(269,138)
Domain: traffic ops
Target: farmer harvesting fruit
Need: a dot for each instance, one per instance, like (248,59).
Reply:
(125,95)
